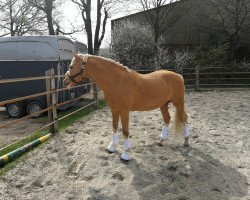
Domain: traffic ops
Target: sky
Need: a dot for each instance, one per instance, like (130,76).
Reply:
(72,15)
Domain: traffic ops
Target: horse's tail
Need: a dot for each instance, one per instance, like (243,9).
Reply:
(180,118)
(178,123)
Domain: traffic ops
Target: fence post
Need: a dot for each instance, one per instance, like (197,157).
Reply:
(54,100)
(95,94)
(51,101)
(197,77)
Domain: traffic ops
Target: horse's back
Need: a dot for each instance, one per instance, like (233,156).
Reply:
(153,90)
(173,81)
(170,78)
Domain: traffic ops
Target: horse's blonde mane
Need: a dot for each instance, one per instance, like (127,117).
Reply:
(106,59)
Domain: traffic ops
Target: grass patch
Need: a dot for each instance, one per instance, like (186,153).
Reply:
(22,142)
(63,124)
(70,120)
(17,160)
(12,165)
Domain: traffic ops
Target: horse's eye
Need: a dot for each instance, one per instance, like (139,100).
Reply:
(71,67)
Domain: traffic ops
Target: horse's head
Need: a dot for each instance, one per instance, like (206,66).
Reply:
(76,72)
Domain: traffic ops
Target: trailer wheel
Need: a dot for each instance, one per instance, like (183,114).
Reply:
(15,110)
(33,107)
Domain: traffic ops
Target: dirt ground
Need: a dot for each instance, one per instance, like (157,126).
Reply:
(15,132)
(75,165)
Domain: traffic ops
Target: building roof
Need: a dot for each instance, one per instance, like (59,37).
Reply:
(141,12)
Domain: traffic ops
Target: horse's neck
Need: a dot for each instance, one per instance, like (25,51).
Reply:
(103,73)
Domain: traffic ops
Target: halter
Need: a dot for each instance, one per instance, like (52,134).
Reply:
(71,78)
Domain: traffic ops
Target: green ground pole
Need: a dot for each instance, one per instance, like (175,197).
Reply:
(18,152)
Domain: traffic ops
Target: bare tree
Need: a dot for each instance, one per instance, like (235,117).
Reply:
(86,9)
(229,18)
(46,6)
(161,17)
(96,28)
(73,30)
(53,15)
(3,4)
(17,18)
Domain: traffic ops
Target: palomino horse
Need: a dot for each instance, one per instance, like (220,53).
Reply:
(126,90)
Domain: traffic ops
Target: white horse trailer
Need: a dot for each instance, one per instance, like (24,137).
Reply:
(30,56)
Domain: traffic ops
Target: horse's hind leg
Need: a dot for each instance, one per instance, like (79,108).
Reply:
(181,121)
(127,144)
(115,137)
(166,118)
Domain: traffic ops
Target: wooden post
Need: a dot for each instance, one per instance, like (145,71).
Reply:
(197,77)
(51,101)
(54,100)
(95,94)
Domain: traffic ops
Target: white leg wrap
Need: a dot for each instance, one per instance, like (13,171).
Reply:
(164,133)
(114,142)
(186,132)
(115,139)
(127,145)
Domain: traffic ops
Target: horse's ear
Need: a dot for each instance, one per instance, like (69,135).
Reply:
(75,55)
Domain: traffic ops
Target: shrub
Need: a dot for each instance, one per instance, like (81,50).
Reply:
(182,59)
(211,55)
(162,57)
(133,45)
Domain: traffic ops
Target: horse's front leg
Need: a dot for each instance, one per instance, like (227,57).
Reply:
(115,137)
(125,130)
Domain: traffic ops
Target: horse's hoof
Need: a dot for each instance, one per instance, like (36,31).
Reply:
(185,145)
(108,151)
(124,161)
(111,148)
(125,156)
(160,143)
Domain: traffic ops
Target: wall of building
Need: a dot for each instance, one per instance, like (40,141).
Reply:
(190,30)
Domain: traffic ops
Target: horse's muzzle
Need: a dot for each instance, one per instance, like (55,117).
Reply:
(66,82)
